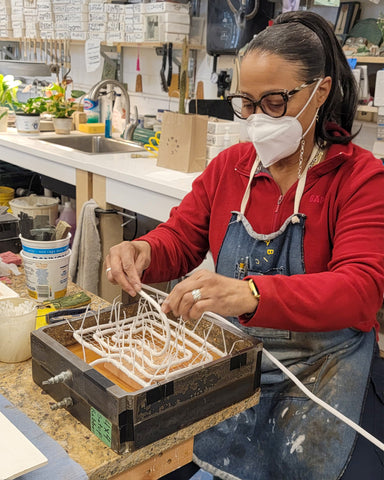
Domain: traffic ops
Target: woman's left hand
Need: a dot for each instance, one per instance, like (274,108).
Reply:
(207,291)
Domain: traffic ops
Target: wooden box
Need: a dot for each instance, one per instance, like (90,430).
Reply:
(128,420)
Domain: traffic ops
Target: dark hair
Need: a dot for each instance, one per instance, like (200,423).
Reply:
(307,39)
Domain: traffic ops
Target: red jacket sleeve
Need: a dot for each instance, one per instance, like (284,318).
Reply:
(350,292)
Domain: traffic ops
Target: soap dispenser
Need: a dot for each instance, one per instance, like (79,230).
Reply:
(108,124)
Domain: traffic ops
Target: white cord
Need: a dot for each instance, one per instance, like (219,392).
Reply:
(320,402)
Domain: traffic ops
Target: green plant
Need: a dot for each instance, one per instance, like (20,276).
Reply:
(8,91)
(58,105)
(33,106)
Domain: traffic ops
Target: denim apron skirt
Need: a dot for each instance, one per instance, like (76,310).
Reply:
(288,436)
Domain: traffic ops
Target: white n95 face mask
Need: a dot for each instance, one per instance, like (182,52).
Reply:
(276,138)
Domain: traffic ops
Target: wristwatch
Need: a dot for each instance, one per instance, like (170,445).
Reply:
(253,289)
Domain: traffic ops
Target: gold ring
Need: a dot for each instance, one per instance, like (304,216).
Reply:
(196,294)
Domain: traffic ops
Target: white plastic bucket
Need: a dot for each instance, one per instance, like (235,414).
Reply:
(15,329)
(45,249)
(36,205)
(46,278)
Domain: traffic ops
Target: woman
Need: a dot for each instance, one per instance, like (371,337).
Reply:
(300,212)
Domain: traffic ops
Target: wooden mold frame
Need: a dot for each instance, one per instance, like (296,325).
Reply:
(140,379)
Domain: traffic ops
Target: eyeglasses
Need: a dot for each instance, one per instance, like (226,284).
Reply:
(273,104)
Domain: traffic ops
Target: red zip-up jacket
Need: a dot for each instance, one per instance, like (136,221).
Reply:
(343,241)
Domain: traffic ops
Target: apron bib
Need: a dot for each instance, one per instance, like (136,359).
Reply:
(287,436)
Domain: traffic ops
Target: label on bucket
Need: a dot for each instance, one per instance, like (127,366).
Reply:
(46,279)
(46,251)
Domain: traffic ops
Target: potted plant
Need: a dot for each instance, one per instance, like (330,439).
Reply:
(60,107)
(8,97)
(28,114)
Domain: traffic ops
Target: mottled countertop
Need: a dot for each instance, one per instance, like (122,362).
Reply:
(99,461)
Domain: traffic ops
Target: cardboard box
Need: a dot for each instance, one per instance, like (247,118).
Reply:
(219,126)
(172,27)
(97,36)
(225,140)
(174,37)
(76,35)
(171,7)
(96,27)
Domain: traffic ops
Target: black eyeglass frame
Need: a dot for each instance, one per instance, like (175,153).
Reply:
(285,94)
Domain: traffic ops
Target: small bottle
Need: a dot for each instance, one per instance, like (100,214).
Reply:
(91,108)
(108,124)
(118,117)
(68,215)
(380,123)
(227,138)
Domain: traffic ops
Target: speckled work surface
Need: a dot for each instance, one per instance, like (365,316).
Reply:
(99,461)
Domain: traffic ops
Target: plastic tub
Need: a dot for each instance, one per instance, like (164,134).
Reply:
(16,328)
(46,278)
(36,205)
(47,249)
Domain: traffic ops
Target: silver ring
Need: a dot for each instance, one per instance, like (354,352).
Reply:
(196,294)
(108,269)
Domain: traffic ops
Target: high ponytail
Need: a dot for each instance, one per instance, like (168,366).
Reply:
(307,39)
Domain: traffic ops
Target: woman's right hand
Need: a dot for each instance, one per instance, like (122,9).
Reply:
(125,263)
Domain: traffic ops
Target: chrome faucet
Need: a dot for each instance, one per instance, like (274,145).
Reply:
(129,127)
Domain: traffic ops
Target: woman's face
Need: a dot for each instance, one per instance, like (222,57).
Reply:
(263,73)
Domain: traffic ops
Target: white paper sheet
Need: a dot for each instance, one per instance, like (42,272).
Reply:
(17,454)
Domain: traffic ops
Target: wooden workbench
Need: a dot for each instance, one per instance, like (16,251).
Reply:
(99,461)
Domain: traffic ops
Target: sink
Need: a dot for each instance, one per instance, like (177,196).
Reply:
(94,144)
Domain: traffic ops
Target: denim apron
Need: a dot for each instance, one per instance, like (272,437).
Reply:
(288,436)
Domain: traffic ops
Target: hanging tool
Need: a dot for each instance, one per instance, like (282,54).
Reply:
(183,76)
(164,83)
(174,88)
(67,60)
(214,75)
(200,90)
(170,61)
(139,79)
(61,52)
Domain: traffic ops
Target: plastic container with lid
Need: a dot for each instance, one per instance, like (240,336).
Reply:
(34,205)
(17,320)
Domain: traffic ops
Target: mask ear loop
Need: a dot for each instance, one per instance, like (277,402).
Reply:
(309,99)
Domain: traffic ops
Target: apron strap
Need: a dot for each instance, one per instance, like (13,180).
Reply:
(248,189)
(299,189)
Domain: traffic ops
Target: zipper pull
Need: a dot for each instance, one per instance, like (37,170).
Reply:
(278,203)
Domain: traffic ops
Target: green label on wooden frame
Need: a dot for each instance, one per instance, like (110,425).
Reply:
(101,427)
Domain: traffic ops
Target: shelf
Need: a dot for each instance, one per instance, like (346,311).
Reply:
(366,108)
(366,59)
(176,46)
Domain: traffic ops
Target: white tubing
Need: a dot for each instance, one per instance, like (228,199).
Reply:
(320,402)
